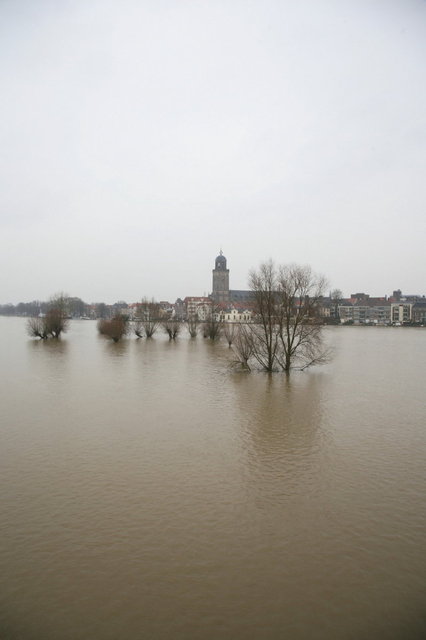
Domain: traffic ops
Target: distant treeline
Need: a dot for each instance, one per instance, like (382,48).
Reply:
(76,308)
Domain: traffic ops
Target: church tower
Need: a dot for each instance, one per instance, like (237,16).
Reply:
(220,292)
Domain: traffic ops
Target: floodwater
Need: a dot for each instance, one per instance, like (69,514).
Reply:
(149,491)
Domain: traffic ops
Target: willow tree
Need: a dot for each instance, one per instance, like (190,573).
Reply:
(115,328)
(286,332)
(243,346)
(149,315)
(172,327)
(192,323)
(230,331)
(55,320)
(212,325)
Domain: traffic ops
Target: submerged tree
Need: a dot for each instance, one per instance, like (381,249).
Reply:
(36,328)
(243,346)
(138,329)
(265,328)
(192,323)
(114,328)
(148,317)
(212,326)
(229,329)
(287,330)
(53,322)
(56,318)
(300,324)
(171,327)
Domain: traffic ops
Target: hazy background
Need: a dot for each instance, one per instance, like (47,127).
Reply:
(139,137)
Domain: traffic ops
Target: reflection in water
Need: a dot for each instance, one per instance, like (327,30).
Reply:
(116,349)
(147,490)
(50,359)
(284,413)
(282,435)
(52,348)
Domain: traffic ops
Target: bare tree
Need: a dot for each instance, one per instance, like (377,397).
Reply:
(149,316)
(212,326)
(172,328)
(229,329)
(192,323)
(56,319)
(265,336)
(300,330)
(138,329)
(36,328)
(286,333)
(54,322)
(114,328)
(243,346)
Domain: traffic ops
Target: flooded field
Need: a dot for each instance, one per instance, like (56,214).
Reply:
(150,491)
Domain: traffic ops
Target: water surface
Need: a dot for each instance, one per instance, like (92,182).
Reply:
(149,491)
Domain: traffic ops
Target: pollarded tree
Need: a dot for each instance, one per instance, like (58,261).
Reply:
(114,328)
(149,316)
(138,329)
(212,326)
(36,328)
(172,327)
(243,346)
(54,322)
(229,329)
(56,319)
(192,322)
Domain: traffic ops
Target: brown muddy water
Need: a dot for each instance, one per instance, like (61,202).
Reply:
(148,491)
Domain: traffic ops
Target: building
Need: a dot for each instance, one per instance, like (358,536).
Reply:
(221,293)
(419,313)
(220,290)
(361,309)
(401,312)
(197,307)
(232,314)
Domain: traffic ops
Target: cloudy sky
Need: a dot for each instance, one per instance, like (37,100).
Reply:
(138,137)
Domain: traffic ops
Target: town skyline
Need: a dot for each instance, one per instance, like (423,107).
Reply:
(221,262)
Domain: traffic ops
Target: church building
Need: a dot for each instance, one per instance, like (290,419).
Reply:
(221,293)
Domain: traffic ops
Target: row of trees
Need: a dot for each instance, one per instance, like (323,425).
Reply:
(75,307)
(120,326)
(285,331)
(150,318)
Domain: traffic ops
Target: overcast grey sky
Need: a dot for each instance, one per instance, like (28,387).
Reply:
(138,137)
